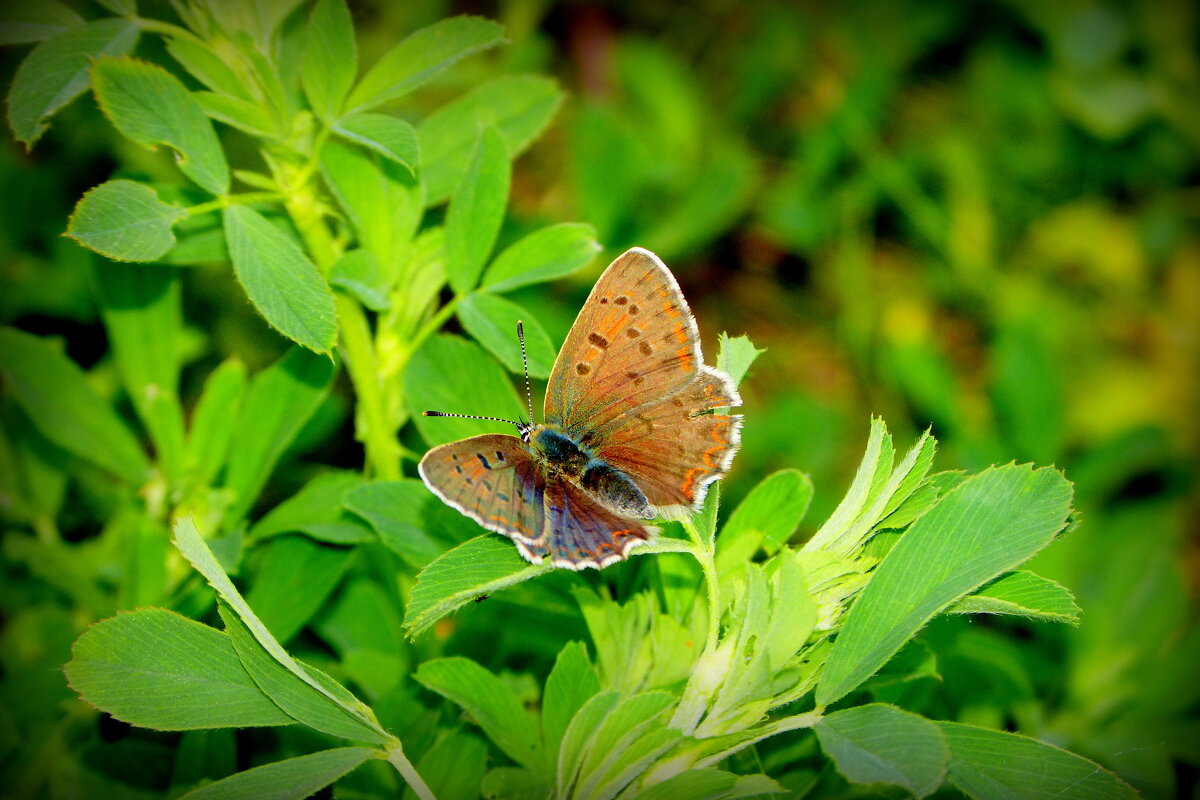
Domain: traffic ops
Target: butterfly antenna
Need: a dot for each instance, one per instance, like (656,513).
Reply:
(470,416)
(525,362)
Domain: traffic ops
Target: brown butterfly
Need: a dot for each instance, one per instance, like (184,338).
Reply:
(635,430)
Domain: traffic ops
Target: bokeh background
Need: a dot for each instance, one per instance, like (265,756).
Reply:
(976,216)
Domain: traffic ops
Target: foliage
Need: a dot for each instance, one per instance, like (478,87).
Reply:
(226,359)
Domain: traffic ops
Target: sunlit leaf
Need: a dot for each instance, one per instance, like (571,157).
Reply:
(56,72)
(150,106)
(156,669)
(125,221)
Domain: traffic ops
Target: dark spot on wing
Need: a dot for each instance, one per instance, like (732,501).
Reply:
(646,348)
(499,456)
(622,300)
(583,369)
(632,332)
(637,379)
(504,498)
(603,301)
(458,469)
(633,309)
(598,340)
(483,461)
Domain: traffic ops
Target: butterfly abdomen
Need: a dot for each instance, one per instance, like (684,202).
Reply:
(615,490)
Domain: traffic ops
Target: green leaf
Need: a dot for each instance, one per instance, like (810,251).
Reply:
(141,308)
(987,525)
(290,779)
(382,200)
(159,670)
(328,706)
(476,211)
(771,512)
(481,566)
(449,373)
(694,784)
(571,683)
(578,738)
(359,273)
(991,765)
(207,66)
(363,626)
(1024,594)
(543,255)
(491,705)
(399,513)
(125,221)
(280,399)
(421,56)
(213,420)
(514,783)
(882,744)
(391,137)
(614,743)
(244,115)
(303,692)
(54,392)
(56,72)
(123,8)
(280,280)
(329,63)
(519,107)
(150,106)
(453,768)
(492,321)
(35,22)
(293,582)
(317,512)
(735,354)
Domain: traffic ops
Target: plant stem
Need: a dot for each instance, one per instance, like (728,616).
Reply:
(355,342)
(704,554)
(383,452)
(396,757)
(227,200)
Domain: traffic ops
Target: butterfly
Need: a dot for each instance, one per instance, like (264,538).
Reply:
(636,428)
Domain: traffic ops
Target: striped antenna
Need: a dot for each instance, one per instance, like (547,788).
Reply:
(469,416)
(525,362)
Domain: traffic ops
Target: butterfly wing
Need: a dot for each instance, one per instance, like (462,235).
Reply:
(633,343)
(631,384)
(675,448)
(493,480)
(580,533)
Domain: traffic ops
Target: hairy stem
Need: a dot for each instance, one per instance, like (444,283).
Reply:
(704,554)
(396,757)
(356,343)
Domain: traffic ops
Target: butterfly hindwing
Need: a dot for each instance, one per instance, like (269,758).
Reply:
(493,480)
(634,342)
(581,533)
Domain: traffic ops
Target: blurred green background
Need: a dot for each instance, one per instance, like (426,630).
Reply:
(980,217)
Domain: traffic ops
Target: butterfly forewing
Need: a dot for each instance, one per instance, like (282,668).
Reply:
(674,448)
(493,480)
(634,342)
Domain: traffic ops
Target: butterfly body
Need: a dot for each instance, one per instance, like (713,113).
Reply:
(636,429)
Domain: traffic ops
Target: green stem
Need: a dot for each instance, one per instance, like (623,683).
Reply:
(383,451)
(704,554)
(225,201)
(396,757)
(355,342)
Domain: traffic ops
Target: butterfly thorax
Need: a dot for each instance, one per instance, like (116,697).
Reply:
(561,456)
(558,452)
